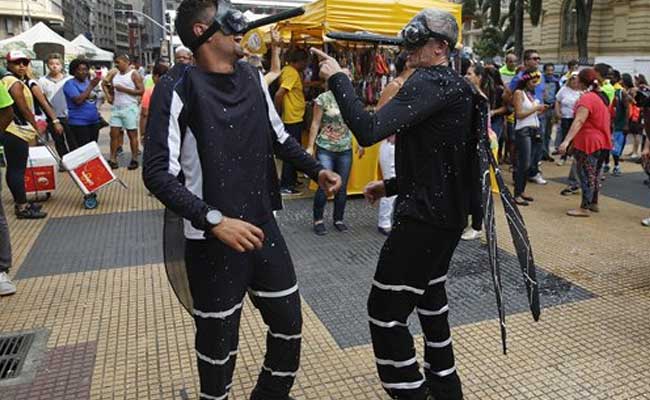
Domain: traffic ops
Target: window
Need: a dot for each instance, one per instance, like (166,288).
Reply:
(569,23)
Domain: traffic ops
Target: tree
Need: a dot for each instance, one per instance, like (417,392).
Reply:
(583,14)
(490,43)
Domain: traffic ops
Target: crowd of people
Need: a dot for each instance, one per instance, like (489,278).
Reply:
(530,103)
(219,122)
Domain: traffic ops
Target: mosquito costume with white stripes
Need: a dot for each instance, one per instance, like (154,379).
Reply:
(210,144)
(439,158)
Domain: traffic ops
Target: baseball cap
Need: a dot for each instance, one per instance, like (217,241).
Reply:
(15,55)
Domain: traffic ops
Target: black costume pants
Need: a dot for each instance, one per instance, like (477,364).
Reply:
(411,274)
(219,278)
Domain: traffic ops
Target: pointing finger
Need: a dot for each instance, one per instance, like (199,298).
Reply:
(320,54)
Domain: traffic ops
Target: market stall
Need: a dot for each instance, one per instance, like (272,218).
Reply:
(371,64)
(41,34)
(93,52)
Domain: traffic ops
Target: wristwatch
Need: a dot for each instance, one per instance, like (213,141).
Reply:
(212,219)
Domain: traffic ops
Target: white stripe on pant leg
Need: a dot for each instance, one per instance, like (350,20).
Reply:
(273,295)
(285,337)
(439,345)
(208,397)
(442,373)
(217,315)
(279,373)
(403,385)
(438,280)
(213,361)
(431,313)
(397,288)
(389,324)
(396,364)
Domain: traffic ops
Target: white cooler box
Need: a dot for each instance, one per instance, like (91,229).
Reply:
(41,173)
(88,168)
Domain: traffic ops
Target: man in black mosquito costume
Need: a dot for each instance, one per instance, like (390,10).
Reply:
(442,153)
(208,157)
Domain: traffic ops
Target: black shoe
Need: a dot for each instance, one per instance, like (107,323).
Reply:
(340,226)
(30,212)
(132,165)
(113,164)
(320,229)
(383,231)
(568,191)
(35,206)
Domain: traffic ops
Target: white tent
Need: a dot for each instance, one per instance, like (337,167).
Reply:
(92,52)
(40,33)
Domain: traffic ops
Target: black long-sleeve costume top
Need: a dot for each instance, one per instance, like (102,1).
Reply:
(210,143)
(435,155)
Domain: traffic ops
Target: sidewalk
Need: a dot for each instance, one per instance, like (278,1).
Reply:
(94,286)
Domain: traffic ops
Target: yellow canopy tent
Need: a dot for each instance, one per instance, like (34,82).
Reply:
(385,17)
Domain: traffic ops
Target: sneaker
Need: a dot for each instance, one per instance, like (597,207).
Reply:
(320,229)
(290,192)
(569,191)
(471,234)
(645,222)
(30,212)
(113,164)
(132,165)
(340,226)
(7,287)
(538,179)
(606,169)
(384,231)
(560,162)
(616,171)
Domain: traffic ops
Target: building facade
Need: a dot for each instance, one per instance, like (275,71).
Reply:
(618,33)
(103,24)
(122,27)
(17,16)
(76,15)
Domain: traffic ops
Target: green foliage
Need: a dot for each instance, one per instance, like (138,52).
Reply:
(535,11)
(490,43)
(469,8)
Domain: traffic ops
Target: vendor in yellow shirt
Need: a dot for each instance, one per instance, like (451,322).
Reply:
(290,102)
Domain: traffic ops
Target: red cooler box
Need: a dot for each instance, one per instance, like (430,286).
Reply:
(88,168)
(41,173)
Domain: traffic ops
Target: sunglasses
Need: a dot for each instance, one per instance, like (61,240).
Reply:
(24,62)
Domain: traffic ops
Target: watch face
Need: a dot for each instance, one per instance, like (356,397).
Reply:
(214,217)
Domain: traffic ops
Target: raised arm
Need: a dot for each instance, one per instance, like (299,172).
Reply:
(289,150)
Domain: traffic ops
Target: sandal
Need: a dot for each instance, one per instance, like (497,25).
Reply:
(580,213)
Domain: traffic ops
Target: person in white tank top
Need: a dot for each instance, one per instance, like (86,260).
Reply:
(128,87)
(527,132)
